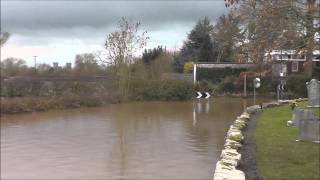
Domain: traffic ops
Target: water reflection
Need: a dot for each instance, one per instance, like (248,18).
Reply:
(200,106)
(135,140)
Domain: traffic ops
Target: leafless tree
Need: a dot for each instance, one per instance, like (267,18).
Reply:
(278,24)
(4,38)
(121,46)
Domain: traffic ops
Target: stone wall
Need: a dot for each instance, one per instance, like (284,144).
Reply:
(226,167)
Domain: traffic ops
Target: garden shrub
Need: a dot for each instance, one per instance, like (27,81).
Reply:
(296,86)
(217,75)
(161,90)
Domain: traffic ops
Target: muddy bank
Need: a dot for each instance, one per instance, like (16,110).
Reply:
(238,158)
(248,150)
(18,105)
(228,165)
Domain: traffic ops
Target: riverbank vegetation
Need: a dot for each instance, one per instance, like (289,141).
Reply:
(31,103)
(279,155)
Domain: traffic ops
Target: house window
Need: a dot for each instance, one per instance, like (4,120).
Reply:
(295,66)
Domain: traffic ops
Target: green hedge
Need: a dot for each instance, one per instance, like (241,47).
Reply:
(217,75)
(23,88)
(296,86)
(161,90)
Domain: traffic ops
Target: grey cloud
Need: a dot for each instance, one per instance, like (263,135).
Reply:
(32,16)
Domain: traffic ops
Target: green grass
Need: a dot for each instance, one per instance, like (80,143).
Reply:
(279,156)
(304,104)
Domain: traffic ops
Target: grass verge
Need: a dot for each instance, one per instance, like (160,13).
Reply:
(305,104)
(279,156)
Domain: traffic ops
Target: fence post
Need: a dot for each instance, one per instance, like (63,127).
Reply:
(194,74)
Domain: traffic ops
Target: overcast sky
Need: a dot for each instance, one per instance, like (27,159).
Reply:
(56,31)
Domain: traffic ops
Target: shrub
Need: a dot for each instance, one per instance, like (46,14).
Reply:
(217,75)
(14,105)
(176,90)
(188,67)
(228,85)
(28,104)
(23,88)
(296,86)
(205,85)
(72,101)
(161,90)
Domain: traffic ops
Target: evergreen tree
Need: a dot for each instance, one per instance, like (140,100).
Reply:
(206,52)
(199,42)
(150,55)
(199,47)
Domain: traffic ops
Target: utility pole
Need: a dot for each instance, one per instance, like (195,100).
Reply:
(35,63)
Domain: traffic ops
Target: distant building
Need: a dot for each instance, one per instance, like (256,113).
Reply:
(68,66)
(55,65)
(288,62)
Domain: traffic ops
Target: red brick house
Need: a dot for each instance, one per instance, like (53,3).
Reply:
(288,62)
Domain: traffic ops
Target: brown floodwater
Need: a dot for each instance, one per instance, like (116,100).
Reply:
(139,140)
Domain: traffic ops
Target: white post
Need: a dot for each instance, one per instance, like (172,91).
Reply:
(254,96)
(280,95)
(194,74)
(194,122)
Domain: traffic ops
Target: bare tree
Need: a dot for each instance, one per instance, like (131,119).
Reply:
(86,64)
(227,34)
(122,45)
(279,24)
(13,67)
(4,38)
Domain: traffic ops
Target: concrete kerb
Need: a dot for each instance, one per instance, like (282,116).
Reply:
(226,167)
